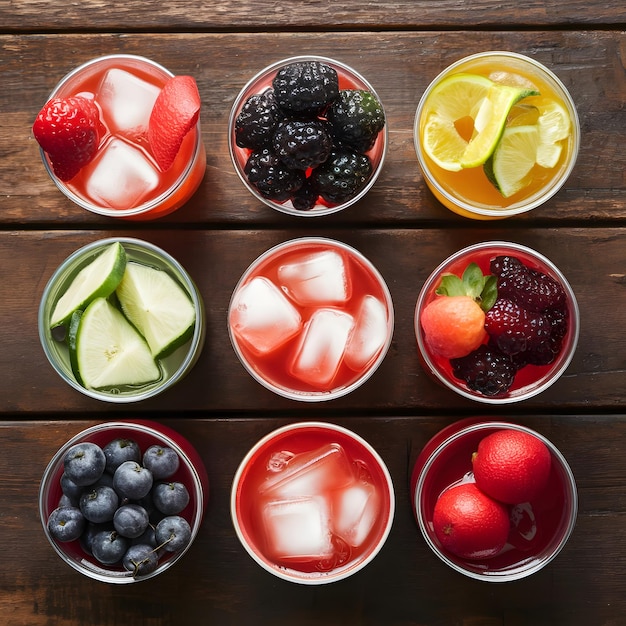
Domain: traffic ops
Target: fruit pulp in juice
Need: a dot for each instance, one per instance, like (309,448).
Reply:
(124,174)
(471,185)
(327,323)
(535,525)
(313,500)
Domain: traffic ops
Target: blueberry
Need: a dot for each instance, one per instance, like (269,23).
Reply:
(98,504)
(170,498)
(161,461)
(140,559)
(66,524)
(173,533)
(71,489)
(109,547)
(130,520)
(132,481)
(120,450)
(84,463)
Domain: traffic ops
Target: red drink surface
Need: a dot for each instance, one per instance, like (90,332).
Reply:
(261,489)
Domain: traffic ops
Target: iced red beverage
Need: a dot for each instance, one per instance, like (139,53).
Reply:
(311,319)
(312,503)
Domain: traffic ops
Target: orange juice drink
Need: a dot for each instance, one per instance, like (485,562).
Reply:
(530,152)
(124,178)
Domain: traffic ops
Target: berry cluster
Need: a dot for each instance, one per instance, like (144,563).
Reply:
(526,326)
(123,506)
(307,139)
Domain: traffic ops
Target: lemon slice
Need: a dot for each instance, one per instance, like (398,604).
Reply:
(98,279)
(554,126)
(109,352)
(157,306)
(513,158)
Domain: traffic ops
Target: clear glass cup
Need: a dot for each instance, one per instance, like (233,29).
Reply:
(191,473)
(174,367)
(539,529)
(156,199)
(531,379)
(311,319)
(348,79)
(284,489)
(479,199)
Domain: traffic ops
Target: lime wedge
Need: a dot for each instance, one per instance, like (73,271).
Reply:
(72,336)
(513,158)
(554,126)
(109,352)
(98,279)
(158,306)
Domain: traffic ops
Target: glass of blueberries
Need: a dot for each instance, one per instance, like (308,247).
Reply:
(308,136)
(123,501)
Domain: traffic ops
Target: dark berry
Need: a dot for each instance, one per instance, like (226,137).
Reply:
(485,370)
(306,197)
(343,175)
(109,547)
(120,450)
(84,463)
(140,559)
(356,118)
(257,121)
(130,520)
(99,503)
(66,523)
(170,498)
(132,480)
(531,288)
(305,87)
(173,533)
(301,144)
(271,177)
(162,461)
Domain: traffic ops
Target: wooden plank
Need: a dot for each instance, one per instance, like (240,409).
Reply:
(589,63)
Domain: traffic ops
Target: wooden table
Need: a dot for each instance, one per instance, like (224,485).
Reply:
(399,46)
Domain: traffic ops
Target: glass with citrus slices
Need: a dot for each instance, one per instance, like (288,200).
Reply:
(120,136)
(121,320)
(496,134)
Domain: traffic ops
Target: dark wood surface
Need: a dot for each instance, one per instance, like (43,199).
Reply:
(399,47)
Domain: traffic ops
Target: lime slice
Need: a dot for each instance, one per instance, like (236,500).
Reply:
(554,126)
(109,351)
(158,307)
(98,279)
(514,157)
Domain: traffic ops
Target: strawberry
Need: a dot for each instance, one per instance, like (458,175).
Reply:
(67,130)
(175,113)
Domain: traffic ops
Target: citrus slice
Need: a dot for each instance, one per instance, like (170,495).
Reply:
(98,279)
(158,307)
(554,126)
(513,158)
(109,351)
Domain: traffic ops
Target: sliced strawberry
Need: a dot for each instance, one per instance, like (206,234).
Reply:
(67,130)
(174,114)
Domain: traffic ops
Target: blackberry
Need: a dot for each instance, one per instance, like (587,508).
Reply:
(343,175)
(257,120)
(531,288)
(273,180)
(356,118)
(485,370)
(306,197)
(305,87)
(301,144)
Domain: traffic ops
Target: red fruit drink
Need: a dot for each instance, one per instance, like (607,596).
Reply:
(124,180)
(539,528)
(311,319)
(312,503)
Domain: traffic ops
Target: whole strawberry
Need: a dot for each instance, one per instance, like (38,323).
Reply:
(67,130)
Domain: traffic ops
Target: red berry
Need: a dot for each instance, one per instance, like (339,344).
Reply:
(175,113)
(67,130)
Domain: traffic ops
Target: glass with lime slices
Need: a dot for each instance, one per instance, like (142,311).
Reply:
(496,134)
(121,320)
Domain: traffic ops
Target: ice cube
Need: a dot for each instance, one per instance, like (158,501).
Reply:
(126,103)
(298,529)
(120,176)
(316,279)
(370,333)
(354,512)
(311,473)
(322,347)
(263,317)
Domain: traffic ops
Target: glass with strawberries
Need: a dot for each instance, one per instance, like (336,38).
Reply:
(495,501)
(496,322)
(120,137)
